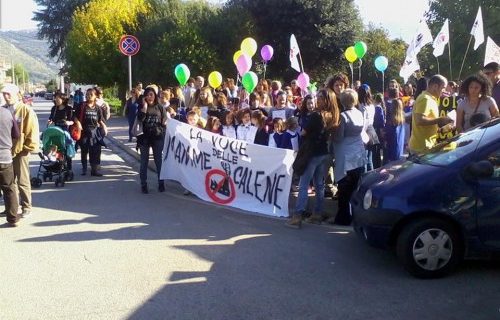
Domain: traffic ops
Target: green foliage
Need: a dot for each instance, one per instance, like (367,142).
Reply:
(461,14)
(51,85)
(55,21)
(22,76)
(378,43)
(115,105)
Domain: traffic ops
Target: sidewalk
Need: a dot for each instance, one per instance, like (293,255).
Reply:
(118,135)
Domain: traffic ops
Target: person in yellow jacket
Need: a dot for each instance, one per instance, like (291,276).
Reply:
(27,143)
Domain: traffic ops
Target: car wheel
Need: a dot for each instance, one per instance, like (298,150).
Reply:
(429,248)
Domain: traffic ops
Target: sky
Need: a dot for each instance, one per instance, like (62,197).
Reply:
(399,17)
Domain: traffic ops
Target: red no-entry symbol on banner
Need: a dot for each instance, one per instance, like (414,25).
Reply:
(219,186)
(129,45)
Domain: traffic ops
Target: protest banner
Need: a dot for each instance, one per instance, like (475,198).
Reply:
(227,171)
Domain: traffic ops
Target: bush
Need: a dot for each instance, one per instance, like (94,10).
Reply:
(115,105)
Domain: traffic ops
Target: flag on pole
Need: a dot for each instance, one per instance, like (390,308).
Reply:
(422,38)
(492,52)
(477,29)
(410,65)
(441,40)
(294,52)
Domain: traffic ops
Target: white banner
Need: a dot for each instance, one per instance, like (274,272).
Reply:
(477,29)
(492,53)
(441,40)
(228,171)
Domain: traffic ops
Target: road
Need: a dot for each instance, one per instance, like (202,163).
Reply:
(99,249)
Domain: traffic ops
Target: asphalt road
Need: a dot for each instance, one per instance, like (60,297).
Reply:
(99,249)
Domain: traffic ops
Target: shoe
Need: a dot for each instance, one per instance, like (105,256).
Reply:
(3,214)
(25,213)
(315,219)
(12,224)
(186,192)
(161,187)
(328,193)
(295,221)
(96,173)
(129,140)
(84,172)
(144,189)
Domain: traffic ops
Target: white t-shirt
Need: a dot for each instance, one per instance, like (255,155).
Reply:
(484,107)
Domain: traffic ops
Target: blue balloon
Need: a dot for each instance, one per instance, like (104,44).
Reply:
(381,63)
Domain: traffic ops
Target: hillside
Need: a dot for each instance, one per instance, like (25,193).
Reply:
(25,48)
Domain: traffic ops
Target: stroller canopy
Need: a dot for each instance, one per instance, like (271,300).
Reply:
(54,136)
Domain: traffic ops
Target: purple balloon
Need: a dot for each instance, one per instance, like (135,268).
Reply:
(266,52)
(243,64)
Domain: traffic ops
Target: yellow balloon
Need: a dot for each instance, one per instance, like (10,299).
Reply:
(350,54)
(249,46)
(236,55)
(215,79)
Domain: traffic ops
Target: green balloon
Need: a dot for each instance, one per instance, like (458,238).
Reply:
(182,73)
(249,81)
(360,48)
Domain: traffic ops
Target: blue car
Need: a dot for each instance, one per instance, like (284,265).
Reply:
(436,208)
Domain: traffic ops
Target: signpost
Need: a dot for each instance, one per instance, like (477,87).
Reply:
(129,46)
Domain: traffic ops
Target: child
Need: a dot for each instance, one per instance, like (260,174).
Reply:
(193,119)
(290,138)
(378,124)
(228,129)
(277,135)
(246,131)
(304,111)
(201,122)
(394,132)
(262,134)
(213,125)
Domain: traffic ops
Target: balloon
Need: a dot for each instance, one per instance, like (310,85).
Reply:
(236,55)
(267,52)
(182,73)
(243,64)
(350,54)
(360,48)
(303,80)
(215,79)
(249,46)
(381,63)
(249,81)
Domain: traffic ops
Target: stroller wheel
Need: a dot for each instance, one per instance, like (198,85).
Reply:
(50,176)
(59,182)
(45,177)
(36,182)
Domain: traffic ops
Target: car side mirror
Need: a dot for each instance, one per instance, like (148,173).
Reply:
(480,170)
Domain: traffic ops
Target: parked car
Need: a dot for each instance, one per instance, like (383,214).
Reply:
(437,208)
(49,96)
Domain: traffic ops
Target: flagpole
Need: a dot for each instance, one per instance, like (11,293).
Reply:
(301,65)
(449,57)
(463,61)
(437,60)
(352,74)
(359,70)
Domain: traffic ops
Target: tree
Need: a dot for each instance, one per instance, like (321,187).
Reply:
(21,75)
(461,14)
(323,28)
(55,21)
(92,44)
(378,43)
(51,86)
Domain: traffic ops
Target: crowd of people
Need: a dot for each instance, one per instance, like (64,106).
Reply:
(337,133)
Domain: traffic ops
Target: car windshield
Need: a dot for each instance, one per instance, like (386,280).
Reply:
(453,149)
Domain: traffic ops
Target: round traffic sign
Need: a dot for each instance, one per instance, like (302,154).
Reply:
(220,187)
(129,45)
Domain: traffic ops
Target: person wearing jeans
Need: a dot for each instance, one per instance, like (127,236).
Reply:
(154,119)
(315,138)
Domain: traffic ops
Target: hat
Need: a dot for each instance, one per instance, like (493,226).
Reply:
(11,89)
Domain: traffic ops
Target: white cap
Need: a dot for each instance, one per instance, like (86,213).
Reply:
(11,89)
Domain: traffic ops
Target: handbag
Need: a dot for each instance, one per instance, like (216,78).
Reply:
(303,155)
(137,128)
(75,132)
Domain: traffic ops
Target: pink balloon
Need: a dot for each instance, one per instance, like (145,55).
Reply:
(243,64)
(303,81)
(267,52)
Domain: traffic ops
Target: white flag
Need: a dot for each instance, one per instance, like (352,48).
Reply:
(294,52)
(410,65)
(492,52)
(477,30)
(422,38)
(441,40)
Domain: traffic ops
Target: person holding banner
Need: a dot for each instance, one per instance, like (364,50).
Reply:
(477,102)
(154,119)
(425,117)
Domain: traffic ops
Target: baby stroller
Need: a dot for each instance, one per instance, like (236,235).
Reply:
(56,146)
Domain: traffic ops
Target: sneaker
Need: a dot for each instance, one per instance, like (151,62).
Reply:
(186,192)
(3,214)
(25,213)
(144,189)
(161,187)
(12,224)
(295,221)
(84,172)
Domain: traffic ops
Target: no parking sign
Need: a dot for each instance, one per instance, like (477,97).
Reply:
(129,45)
